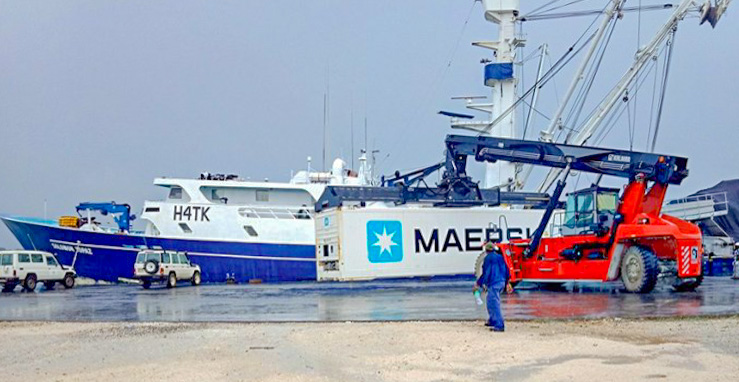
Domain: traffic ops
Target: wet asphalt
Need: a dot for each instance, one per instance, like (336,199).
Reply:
(362,301)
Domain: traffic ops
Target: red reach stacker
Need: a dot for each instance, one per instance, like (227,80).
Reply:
(601,235)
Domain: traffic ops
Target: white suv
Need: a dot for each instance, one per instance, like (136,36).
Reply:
(158,265)
(31,267)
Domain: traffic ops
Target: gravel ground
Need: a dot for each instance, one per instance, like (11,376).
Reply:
(602,350)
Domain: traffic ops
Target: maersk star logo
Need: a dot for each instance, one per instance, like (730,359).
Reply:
(384,241)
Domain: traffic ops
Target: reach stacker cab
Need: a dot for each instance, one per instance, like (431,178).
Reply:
(603,234)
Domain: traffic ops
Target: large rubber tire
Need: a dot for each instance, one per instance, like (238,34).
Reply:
(68,281)
(195,278)
(151,267)
(146,283)
(171,280)
(29,283)
(49,285)
(688,286)
(639,270)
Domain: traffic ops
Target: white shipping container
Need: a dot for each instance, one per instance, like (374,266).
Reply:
(379,242)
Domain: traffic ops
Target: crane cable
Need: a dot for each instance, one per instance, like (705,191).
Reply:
(670,44)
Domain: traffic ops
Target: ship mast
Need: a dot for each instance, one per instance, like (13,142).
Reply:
(499,76)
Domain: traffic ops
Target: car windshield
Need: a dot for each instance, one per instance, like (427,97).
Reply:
(51,261)
(183,259)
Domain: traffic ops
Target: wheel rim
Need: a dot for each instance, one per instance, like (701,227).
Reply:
(633,270)
(172,280)
(197,278)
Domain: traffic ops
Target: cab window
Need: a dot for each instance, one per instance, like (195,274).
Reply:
(153,256)
(140,257)
(570,212)
(37,258)
(6,259)
(585,206)
(51,261)
(607,202)
(165,258)
(183,259)
(24,258)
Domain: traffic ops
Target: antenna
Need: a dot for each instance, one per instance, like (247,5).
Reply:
(324,132)
(351,126)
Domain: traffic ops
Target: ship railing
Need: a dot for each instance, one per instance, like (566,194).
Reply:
(277,213)
(698,207)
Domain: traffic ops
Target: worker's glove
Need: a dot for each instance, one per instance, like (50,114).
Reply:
(475,288)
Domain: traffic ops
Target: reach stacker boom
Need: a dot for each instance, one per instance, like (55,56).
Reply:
(601,235)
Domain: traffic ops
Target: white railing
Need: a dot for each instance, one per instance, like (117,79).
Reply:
(276,213)
(698,207)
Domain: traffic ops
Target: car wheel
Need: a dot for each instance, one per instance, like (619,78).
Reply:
(29,283)
(68,281)
(171,280)
(195,278)
(146,283)
(639,270)
(49,285)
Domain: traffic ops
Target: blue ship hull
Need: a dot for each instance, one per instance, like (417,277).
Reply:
(108,257)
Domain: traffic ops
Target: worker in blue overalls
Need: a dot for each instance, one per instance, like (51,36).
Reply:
(495,277)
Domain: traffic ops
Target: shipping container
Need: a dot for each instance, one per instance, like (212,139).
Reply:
(363,243)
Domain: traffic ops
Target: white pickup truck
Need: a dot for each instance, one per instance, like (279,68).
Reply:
(28,268)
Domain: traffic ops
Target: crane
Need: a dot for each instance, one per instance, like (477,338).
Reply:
(601,236)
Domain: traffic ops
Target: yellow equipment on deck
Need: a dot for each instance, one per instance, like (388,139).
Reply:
(69,221)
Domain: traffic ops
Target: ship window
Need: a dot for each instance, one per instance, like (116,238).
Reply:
(251,231)
(6,259)
(185,228)
(175,193)
(262,196)
(37,258)
(24,258)
(165,258)
(151,209)
(50,261)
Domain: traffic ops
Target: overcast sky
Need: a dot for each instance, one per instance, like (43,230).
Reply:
(97,98)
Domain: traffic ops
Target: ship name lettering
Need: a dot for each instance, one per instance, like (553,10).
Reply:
(191,213)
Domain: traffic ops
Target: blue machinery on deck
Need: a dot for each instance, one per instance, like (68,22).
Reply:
(123,212)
